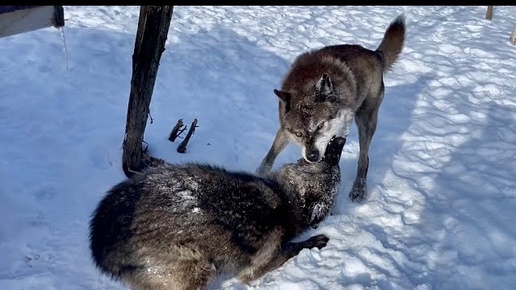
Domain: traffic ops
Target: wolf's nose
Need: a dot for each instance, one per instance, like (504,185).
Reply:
(313,156)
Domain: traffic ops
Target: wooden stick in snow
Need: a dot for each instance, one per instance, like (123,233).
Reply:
(177,130)
(182,147)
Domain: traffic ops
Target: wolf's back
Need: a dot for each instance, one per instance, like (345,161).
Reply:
(197,202)
(392,43)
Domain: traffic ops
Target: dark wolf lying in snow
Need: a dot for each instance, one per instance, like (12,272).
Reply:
(325,90)
(179,226)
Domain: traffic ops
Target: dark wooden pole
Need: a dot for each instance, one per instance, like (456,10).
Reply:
(152,33)
(489,13)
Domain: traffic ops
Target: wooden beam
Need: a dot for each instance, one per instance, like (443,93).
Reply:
(21,19)
(151,36)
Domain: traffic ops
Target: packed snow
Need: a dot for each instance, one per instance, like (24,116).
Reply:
(442,188)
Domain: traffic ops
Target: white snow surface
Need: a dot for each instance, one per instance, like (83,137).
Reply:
(442,183)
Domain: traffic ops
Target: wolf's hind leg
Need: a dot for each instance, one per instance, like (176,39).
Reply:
(273,258)
(366,119)
(182,272)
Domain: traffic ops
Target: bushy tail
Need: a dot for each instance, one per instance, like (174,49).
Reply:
(392,43)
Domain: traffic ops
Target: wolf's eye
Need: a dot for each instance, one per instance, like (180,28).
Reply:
(321,126)
(299,134)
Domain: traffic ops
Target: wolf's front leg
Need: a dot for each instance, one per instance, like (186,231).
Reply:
(280,141)
(292,249)
(265,263)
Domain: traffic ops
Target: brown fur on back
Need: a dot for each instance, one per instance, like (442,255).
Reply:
(347,65)
(309,67)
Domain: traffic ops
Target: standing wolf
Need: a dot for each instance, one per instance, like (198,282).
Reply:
(325,90)
(178,226)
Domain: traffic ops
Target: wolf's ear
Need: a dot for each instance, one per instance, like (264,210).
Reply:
(285,97)
(324,89)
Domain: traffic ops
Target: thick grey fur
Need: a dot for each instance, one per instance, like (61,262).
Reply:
(179,226)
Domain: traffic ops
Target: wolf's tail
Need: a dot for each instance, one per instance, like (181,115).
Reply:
(392,43)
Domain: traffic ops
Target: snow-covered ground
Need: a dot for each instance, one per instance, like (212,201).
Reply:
(442,186)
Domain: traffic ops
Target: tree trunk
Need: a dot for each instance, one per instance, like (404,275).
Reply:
(489,13)
(513,36)
(153,26)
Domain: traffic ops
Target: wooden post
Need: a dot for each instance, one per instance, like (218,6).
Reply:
(489,13)
(513,36)
(153,26)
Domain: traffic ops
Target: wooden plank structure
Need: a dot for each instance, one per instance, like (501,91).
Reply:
(20,19)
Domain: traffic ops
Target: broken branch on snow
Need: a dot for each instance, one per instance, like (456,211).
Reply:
(177,130)
(182,147)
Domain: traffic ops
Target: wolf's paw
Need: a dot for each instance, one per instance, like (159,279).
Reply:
(358,194)
(318,241)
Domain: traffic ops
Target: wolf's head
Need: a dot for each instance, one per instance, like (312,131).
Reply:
(316,118)
(316,182)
